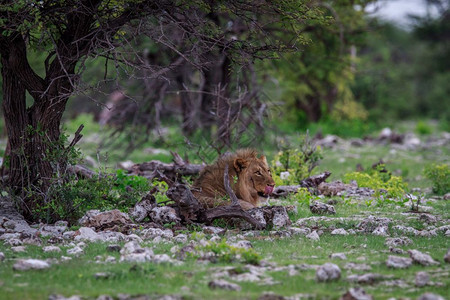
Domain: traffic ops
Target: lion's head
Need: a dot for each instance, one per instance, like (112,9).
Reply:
(254,178)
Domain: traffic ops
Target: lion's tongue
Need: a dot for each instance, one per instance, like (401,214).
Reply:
(268,190)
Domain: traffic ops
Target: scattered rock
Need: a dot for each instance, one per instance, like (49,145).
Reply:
(341,256)
(107,219)
(242,244)
(224,285)
(2,256)
(357,267)
(270,296)
(334,188)
(356,293)
(422,258)
(328,272)
(75,251)
(214,230)
(428,218)
(51,249)
(371,223)
(30,264)
(430,296)
(164,215)
(18,249)
(398,241)
(60,297)
(447,257)
(422,278)
(142,209)
(398,262)
(321,208)
(86,233)
(447,196)
(313,236)
(369,278)
(152,233)
(339,231)
(280,217)
(133,252)
(381,230)
(300,231)
(181,238)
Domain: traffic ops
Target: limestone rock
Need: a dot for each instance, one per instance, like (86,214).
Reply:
(422,258)
(430,296)
(398,262)
(321,208)
(51,249)
(224,285)
(105,219)
(328,272)
(422,279)
(313,236)
(356,293)
(30,264)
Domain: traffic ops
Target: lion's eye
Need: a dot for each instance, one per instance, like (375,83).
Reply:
(258,173)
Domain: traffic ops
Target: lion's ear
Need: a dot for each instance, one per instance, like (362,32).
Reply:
(240,164)
(263,159)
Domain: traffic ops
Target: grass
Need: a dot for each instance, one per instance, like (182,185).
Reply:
(76,277)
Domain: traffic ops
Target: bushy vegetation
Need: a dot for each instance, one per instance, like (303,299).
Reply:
(380,180)
(440,177)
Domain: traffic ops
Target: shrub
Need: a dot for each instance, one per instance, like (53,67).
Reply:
(379,179)
(71,199)
(290,166)
(423,128)
(440,176)
(226,253)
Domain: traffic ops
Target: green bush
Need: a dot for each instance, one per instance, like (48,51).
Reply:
(423,128)
(70,200)
(296,164)
(225,253)
(377,180)
(440,176)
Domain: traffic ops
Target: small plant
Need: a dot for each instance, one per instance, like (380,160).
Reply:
(380,181)
(290,166)
(423,128)
(303,196)
(440,176)
(161,189)
(226,253)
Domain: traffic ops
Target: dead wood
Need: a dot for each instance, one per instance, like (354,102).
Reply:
(81,171)
(157,169)
(310,182)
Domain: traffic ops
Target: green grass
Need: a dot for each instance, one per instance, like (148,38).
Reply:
(76,277)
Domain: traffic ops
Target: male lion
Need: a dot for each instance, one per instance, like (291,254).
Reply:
(249,177)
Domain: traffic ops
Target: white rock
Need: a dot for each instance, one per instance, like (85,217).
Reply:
(285,175)
(51,249)
(75,251)
(341,256)
(30,264)
(422,279)
(398,262)
(86,234)
(328,272)
(2,256)
(18,249)
(339,231)
(224,285)
(381,230)
(242,244)
(430,296)
(422,258)
(313,236)
(300,231)
(181,238)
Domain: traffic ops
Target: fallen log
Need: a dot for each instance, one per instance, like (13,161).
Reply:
(310,182)
(156,168)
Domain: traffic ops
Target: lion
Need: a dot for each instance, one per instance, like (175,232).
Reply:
(249,176)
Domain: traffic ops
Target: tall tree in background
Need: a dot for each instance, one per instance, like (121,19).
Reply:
(71,31)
